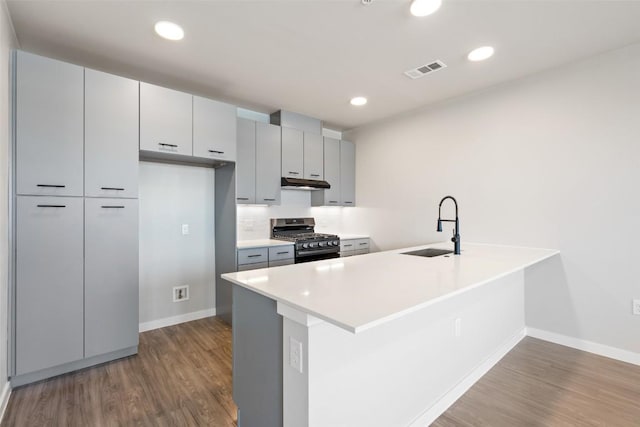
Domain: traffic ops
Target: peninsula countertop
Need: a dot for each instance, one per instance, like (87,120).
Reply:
(358,293)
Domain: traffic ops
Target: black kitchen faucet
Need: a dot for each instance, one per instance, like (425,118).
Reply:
(456,232)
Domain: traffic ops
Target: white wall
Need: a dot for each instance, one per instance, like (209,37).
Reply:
(7,42)
(172,195)
(549,161)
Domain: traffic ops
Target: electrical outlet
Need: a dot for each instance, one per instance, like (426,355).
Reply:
(636,307)
(295,354)
(458,327)
(185,229)
(180,293)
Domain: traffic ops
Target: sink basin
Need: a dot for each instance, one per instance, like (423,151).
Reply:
(429,252)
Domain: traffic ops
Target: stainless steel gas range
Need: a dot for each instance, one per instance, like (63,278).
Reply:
(309,245)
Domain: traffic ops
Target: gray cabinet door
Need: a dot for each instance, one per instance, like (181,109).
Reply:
(330,197)
(111,275)
(111,135)
(214,129)
(49,285)
(267,164)
(246,162)
(313,156)
(49,126)
(292,153)
(347,173)
(165,120)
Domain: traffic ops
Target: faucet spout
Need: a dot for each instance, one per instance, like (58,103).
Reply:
(456,232)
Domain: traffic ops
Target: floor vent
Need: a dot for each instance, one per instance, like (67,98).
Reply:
(423,70)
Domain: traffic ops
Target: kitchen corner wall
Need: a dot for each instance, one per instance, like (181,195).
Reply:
(549,161)
(172,195)
(7,43)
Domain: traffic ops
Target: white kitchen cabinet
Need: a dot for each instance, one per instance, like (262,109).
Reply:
(313,156)
(246,162)
(165,120)
(111,135)
(351,247)
(214,129)
(347,173)
(49,126)
(268,161)
(330,196)
(292,153)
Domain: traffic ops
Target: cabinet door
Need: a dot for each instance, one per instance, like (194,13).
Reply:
(111,275)
(347,173)
(214,129)
(49,285)
(292,153)
(331,196)
(313,156)
(49,126)
(111,135)
(165,120)
(246,162)
(267,164)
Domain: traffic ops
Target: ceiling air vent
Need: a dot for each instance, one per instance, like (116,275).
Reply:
(423,70)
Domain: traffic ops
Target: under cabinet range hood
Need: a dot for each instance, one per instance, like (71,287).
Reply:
(303,184)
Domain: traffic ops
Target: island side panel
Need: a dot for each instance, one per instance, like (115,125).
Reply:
(257,359)
(398,372)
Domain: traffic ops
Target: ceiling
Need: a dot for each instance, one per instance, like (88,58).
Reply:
(312,56)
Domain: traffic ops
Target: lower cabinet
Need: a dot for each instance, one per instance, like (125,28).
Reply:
(263,257)
(111,275)
(49,270)
(351,247)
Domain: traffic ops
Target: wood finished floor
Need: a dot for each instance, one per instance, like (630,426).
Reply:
(182,377)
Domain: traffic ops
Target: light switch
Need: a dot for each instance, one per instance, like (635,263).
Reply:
(185,229)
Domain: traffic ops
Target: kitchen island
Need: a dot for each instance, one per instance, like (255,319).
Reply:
(384,339)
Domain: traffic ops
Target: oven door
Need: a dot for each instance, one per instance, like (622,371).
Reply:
(308,256)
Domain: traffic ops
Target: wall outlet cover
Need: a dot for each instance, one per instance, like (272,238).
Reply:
(295,354)
(185,229)
(180,293)
(636,307)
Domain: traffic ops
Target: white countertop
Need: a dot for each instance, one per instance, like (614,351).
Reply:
(358,293)
(352,236)
(261,243)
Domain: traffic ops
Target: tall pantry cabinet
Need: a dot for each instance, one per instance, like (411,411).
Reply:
(75,218)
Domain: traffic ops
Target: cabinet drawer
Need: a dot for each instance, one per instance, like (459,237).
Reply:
(361,244)
(281,262)
(252,256)
(255,266)
(280,252)
(348,245)
(344,254)
(361,252)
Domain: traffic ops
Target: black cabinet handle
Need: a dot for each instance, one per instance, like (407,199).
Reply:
(333,201)
(50,186)
(254,256)
(294,173)
(347,246)
(111,207)
(216,152)
(242,198)
(282,253)
(315,175)
(112,188)
(52,206)
(269,200)
(361,244)
(167,145)
(349,203)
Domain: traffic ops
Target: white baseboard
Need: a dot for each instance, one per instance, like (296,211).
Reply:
(584,345)
(174,320)
(449,398)
(4,399)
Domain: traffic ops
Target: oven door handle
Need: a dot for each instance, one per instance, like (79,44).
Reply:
(311,252)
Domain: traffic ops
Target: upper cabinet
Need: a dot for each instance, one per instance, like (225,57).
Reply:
(165,120)
(246,163)
(347,173)
(214,129)
(267,164)
(49,126)
(292,153)
(111,135)
(313,156)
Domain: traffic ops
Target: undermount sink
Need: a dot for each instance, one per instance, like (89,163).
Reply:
(429,252)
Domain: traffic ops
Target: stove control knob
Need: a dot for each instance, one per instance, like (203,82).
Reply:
(305,245)
(335,243)
(313,245)
(323,243)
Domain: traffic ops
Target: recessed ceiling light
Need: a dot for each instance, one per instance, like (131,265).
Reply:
(169,30)
(481,53)
(424,7)
(358,101)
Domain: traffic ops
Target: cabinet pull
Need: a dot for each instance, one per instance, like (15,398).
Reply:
(283,253)
(269,200)
(52,206)
(112,188)
(111,207)
(348,246)
(294,173)
(51,185)
(333,201)
(254,256)
(216,152)
(315,175)
(362,244)
(167,145)
(349,203)
(242,198)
